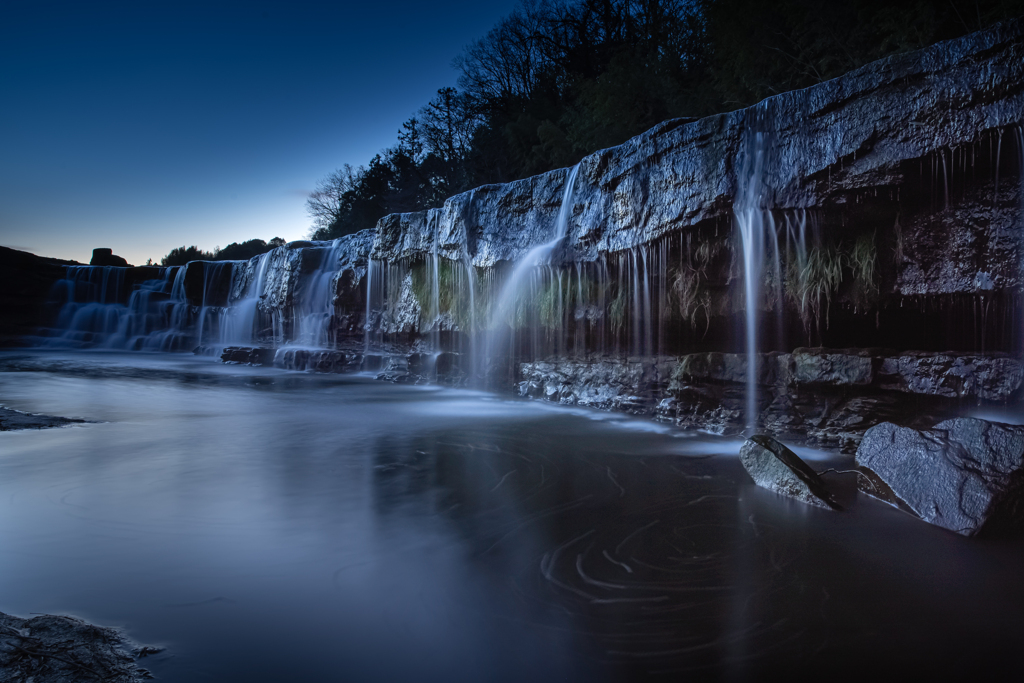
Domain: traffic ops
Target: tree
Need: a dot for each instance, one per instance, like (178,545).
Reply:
(182,255)
(446,126)
(328,202)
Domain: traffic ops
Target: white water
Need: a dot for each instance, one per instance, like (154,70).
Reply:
(98,311)
(240,324)
(314,303)
(753,220)
(516,285)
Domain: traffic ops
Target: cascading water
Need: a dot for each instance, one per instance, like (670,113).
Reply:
(239,324)
(209,317)
(1020,181)
(100,311)
(518,284)
(314,304)
(752,219)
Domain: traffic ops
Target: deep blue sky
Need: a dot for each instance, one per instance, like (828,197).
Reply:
(143,126)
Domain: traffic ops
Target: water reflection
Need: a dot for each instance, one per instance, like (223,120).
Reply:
(268,525)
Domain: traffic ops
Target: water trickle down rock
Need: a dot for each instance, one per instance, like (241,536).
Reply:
(773,466)
(964,475)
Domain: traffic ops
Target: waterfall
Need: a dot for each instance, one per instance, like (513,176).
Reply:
(1020,184)
(521,280)
(435,285)
(313,307)
(372,298)
(239,325)
(752,220)
(101,310)
(209,314)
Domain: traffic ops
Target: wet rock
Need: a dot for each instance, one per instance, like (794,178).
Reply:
(855,134)
(248,355)
(942,251)
(838,368)
(285,271)
(12,420)
(991,377)
(964,474)
(773,466)
(58,649)
(633,386)
(313,360)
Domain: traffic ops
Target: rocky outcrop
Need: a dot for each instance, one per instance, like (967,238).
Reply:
(11,420)
(244,355)
(834,144)
(824,397)
(283,276)
(965,474)
(313,360)
(106,257)
(59,649)
(994,377)
(775,467)
(890,186)
(633,386)
(26,291)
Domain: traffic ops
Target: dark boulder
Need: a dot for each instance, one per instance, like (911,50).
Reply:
(11,420)
(773,466)
(964,474)
(106,257)
(248,355)
(26,288)
(61,649)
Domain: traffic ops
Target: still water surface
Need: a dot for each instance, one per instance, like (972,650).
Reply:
(265,525)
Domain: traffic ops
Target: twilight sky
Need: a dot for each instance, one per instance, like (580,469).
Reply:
(143,126)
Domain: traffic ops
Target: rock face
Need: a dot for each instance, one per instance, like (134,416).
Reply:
(993,377)
(891,210)
(59,649)
(775,467)
(827,145)
(821,397)
(964,475)
(26,283)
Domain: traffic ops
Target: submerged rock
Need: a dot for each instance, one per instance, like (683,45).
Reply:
(59,649)
(11,420)
(964,475)
(773,466)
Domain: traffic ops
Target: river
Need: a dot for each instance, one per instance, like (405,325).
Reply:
(265,525)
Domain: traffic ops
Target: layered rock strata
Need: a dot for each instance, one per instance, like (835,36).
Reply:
(826,397)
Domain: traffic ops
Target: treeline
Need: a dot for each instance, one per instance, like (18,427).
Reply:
(233,252)
(558,79)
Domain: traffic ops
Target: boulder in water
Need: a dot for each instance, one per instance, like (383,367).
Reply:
(63,649)
(964,474)
(773,466)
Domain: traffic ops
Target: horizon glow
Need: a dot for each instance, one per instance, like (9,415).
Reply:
(145,128)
